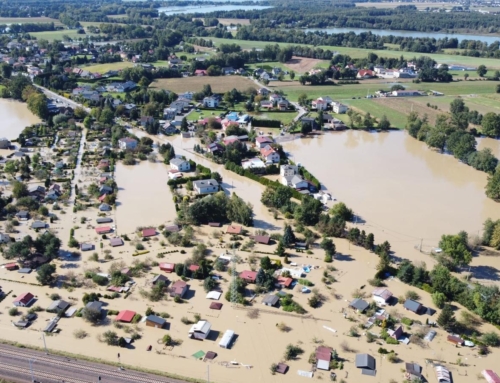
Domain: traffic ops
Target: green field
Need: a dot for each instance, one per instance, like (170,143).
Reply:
(361,53)
(103,68)
(58,35)
(285,117)
(30,20)
(397,119)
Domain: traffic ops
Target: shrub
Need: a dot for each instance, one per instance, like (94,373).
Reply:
(410,294)
(390,340)
(274,368)
(55,296)
(136,318)
(139,247)
(80,334)
(491,339)
(13,311)
(392,357)
(407,321)
(186,320)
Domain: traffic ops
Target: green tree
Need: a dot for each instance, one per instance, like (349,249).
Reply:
(19,189)
(292,75)
(456,247)
(481,70)
(446,318)
(490,124)
(302,100)
(37,104)
(184,125)
(306,128)
(369,242)
(341,210)
(439,299)
(265,263)
(209,284)
(288,236)
(239,211)
(11,168)
(491,339)
(280,250)
(6,70)
(45,274)
(384,123)
(368,121)
(493,185)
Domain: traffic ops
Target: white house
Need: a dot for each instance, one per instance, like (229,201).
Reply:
(295,181)
(127,143)
(169,113)
(210,102)
(263,141)
(200,330)
(288,170)
(253,163)
(180,164)
(319,104)
(206,186)
(381,295)
(275,98)
(270,155)
(339,108)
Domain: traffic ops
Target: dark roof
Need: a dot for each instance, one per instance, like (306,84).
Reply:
(270,300)
(116,242)
(86,246)
(365,361)
(50,326)
(38,225)
(282,368)
(264,239)
(412,305)
(96,305)
(156,319)
(210,355)
(59,305)
(215,305)
(359,304)
(414,369)
(104,220)
(159,278)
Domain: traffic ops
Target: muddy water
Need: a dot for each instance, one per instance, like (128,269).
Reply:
(248,190)
(15,117)
(490,143)
(144,198)
(403,191)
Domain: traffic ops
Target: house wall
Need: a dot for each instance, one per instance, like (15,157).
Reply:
(152,324)
(378,299)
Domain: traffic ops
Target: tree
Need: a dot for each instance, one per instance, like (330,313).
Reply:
(309,211)
(439,299)
(6,70)
(493,185)
(384,123)
(12,168)
(80,113)
(456,247)
(483,160)
(265,263)
(490,124)
(45,274)
(329,247)
(369,242)
(110,338)
(306,128)
(466,76)
(341,210)
(446,318)
(209,284)
(288,236)
(239,211)
(491,339)
(302,100)
(292,75)
(368,121)
(184,125)
(481,70)
(92,315)
(280,250)
(498,88)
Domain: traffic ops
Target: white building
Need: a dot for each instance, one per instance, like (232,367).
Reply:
(288,170)
(180,164)
(227,338)
(319,104)
(339,108)
(206,186)
(210,102)
(200,330)
(127,143)
(295,181)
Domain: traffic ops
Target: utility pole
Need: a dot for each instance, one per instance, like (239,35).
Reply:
(421,240)
(31,369)
(208,373)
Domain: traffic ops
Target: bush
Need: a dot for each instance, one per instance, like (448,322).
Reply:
(80,334)
(13,311)
(410,294)
(136,318)
(491,339)
(390,340)
(139,247)
(186,320)
(100,280)
(407,321)
(55,296)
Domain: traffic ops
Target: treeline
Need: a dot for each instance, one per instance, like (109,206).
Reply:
(26,28)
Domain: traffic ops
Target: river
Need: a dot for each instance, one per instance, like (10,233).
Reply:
(434,35)
(403,191)
(209,8)
(16,117)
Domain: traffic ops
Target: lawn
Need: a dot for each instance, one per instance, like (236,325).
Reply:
(397,118)
(220,84)
(361,53)
(285,117)
(29,20)
(103,68)
(195,116)
(58,35)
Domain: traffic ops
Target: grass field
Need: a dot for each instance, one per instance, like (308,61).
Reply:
(220,84)
(285,117)
(30,20)
(58,35)
(361,53)
(395,4)
(397,118)
(103,68)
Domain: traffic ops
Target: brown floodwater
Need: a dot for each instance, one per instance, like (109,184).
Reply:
(403,192)
(144,199)
(15,117)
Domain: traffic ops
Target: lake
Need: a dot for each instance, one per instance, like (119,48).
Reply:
(434,35)
(15,117)
(403,191)
(209,8)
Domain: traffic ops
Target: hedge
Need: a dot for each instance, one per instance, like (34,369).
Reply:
(266,123)
(180,181)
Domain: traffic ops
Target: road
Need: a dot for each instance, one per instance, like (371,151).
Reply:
(23,365)
(61,99)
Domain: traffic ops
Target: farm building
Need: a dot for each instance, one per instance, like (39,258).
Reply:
(227,338)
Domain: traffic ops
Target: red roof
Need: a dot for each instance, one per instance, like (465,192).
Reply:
(24,298)
(248,275)
(194,268)
(11,266)
(230,140)
(324,353)
(102,198)
(103,230)
(366,72)
(491,376)
(263,139)
(267,151)
(233,229)
(168,267)
(148,232)
(285,281)
(125,316)
(215,305)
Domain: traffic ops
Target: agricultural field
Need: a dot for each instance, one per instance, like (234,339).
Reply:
(103,68)
(396,4)
(361,53)
(30,20)
(219,84)
(58,35)
(302,64)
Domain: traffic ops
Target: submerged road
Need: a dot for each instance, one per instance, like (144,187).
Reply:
(24,365)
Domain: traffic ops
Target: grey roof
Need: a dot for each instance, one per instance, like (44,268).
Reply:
(177,161)
(104,220)
(365,361)
(86,246)
(23,214)
(58,305)
(38,225)
(51,326)
(96,305)
(359,304)
(116,241)
(205,183)
(156,319)
(270,300)
(412,305)
(414,369)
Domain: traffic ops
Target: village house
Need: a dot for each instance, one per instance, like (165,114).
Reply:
(145,120)
(319,104)
(490,376)
(206,186)
(284,282)
(269,155)
(413,371)
(339,108)
(210,102)
(275,98)
(270,300)
(294,181)
(180,164)
(365,73)
(169,113)
(155,321)
(127,143)
(160,278)
(169,129)
(58,306)
(311,121)
(253,163)
(115,242)
(406,93)
(167,267)
(23,215)
(178,289)
(227,70)
(455,340)
(263,141)
(4,143)
(200,72)
(125,316)
(413,306)
(104,207)
(288,170)
(226,339)
(200,330)
(248,276)
(263,91)
(381,295)
(24,300)
(266,104)
(283,105)
(234,229)
(323,357)
(150,232)
(359,305)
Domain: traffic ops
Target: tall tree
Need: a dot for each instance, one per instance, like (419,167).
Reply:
(446,318)
(288,236)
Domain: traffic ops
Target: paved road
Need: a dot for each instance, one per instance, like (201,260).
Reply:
(61,99)
(15,366)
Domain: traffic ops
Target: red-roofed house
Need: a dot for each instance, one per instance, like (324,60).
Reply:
(230,140)
(103,163)
(285,282)
(24,300)
(178,289)
(263,141)
(233,229)
(200,72)
(11,266)
(148,232)
(319,104)
(103,230)
(248,276)
(270,155)
(365,73)
(125,316)
(167,267)
(193,268)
